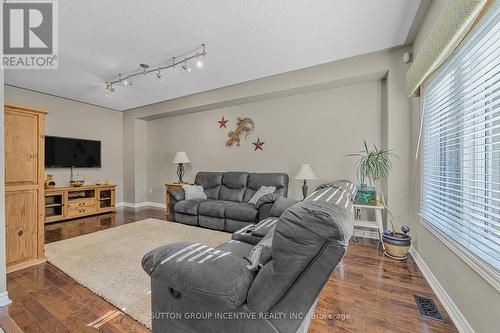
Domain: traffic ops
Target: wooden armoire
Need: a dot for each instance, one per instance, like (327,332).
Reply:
(24,186)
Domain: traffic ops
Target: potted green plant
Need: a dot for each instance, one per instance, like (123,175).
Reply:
(374,165)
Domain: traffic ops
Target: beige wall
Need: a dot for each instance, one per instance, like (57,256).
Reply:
(477,300)
(73,119)
(317,127)
(134,159)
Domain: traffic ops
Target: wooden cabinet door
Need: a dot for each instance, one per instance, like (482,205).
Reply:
(21,209)
(21,148)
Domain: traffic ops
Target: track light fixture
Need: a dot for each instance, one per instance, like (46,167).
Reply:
(126,79)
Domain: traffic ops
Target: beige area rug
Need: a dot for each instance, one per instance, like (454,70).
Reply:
(108,262)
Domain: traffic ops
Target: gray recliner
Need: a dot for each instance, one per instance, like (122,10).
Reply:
(241,287)
(226,207)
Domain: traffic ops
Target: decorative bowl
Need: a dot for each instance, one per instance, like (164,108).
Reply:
(76,183)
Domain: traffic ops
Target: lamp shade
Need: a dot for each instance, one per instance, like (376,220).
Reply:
(306,172)
(181,157)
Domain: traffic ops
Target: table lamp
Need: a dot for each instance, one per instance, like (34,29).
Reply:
(305,173)
(180,159)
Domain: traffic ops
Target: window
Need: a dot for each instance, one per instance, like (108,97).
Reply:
(461,144)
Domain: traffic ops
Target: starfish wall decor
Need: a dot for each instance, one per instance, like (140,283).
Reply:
(258,144)
(222,122)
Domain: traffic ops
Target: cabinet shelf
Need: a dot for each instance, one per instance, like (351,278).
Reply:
(52,215)
(53,205)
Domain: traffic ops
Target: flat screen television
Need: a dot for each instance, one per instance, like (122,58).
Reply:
(68,152)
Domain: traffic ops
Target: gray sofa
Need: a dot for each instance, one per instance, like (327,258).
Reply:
(253,283)
(226,207)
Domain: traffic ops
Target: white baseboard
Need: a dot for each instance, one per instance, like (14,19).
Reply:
(456,316)
(140,204)
(4,299)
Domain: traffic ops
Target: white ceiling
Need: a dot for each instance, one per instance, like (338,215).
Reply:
(246,40)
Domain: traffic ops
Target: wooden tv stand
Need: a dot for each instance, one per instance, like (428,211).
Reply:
(62,203)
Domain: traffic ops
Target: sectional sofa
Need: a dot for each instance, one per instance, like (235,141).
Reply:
(226,207)
(267,278)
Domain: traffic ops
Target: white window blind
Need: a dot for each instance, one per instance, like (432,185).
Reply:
(461,144)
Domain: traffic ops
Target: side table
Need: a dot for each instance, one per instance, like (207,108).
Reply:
(167,197)
(376,224)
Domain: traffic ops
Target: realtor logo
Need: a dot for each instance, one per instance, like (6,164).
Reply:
(29,31)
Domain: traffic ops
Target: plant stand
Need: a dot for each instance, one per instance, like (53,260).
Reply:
(376,224)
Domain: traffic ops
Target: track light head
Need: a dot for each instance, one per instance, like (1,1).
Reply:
(159,76)
(199,61)
(109,90)
(185,66)
(127,82)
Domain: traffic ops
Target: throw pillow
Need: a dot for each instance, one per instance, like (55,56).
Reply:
(263,190)
(193,192)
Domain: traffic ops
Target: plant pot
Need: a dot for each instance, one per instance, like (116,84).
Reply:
(397,245)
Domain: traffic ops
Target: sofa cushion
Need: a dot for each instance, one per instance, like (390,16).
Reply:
(235,225)
(217,223)
(256,180)
(214,208)
(236,247)
(186,218)
(211,182)
(188,206)
(213,278)
(233,186)
(242,212)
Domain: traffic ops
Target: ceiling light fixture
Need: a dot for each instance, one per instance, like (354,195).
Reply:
(126,79)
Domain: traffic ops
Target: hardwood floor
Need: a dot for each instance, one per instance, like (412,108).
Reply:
(370,292)
(77,227)
(367,293)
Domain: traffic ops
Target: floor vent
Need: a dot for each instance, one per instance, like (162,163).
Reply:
(428,308)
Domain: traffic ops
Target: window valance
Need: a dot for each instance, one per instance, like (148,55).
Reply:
(453,24)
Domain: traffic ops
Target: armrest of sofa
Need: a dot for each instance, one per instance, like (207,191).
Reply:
(195,271)
(176,193)
(264,205)
(266,199)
